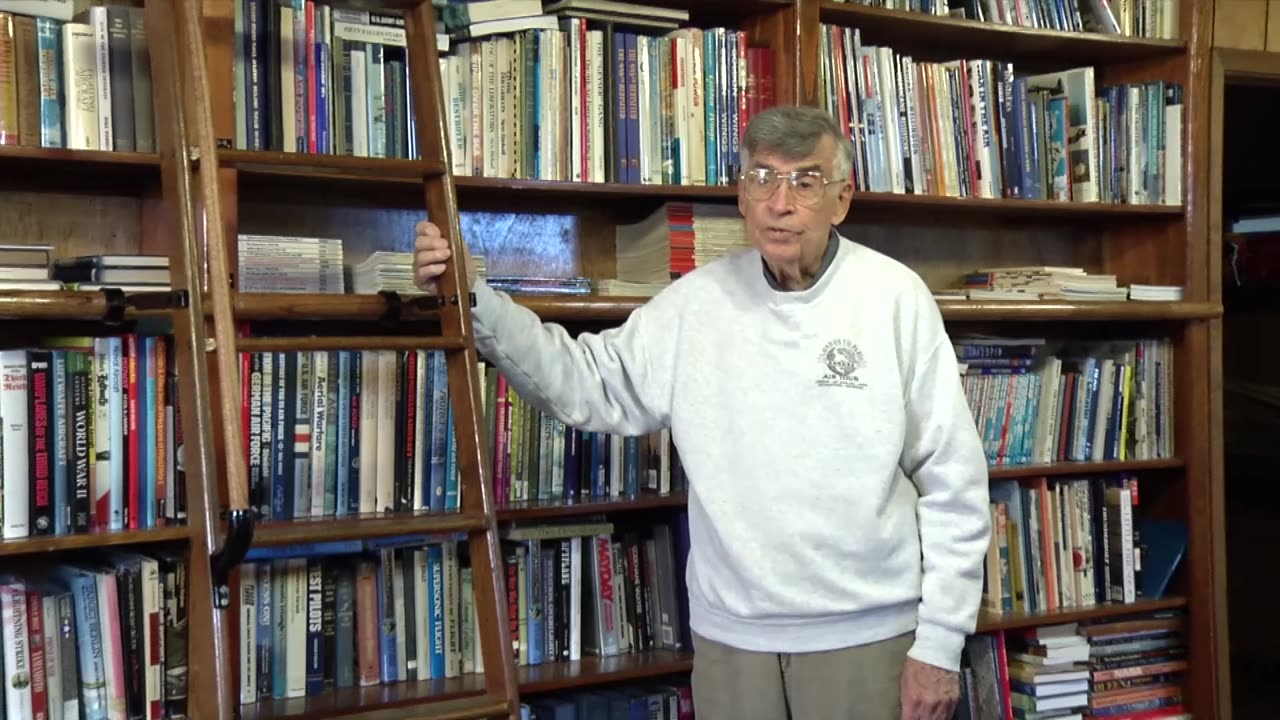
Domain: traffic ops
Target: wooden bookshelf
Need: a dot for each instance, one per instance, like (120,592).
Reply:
(373,204)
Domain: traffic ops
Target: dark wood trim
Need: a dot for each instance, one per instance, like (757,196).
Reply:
(1009,472)
(990,622)
(920,34)
(96,539)
(592,670)
(537,511)
(358,527)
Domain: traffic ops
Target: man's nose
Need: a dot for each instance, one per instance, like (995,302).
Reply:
(782,201)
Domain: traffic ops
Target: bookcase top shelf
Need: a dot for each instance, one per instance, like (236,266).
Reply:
(939,37)
(92,540)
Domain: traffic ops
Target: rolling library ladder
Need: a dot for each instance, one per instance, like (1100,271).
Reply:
(189,155)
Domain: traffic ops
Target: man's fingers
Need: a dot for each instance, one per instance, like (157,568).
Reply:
(427,256)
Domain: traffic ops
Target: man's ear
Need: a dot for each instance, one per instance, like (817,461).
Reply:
(843,200)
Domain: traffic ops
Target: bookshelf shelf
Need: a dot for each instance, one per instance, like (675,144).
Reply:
(942,208)
(601,308)
(399,697)
(527,512)
(595,670)
(1006,472)
(117,538)
(474,187)
(324,529)
(990,622)
(19,157)
(328,165)
(935,37)
(391,698)
(958,310)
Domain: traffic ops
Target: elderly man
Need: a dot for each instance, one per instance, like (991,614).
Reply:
(838,500)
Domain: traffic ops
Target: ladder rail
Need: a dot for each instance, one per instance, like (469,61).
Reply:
(209,667)
(464,387)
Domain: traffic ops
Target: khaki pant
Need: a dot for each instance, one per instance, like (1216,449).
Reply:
(857,683)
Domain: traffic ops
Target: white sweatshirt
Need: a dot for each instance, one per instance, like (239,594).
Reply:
(802,419)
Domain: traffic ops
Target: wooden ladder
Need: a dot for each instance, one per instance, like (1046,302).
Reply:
(189,154)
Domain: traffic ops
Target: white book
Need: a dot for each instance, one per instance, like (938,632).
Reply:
(80,76)
(319,424)
(248,633)
(385,500)
(15,482)
(16,671)
(368,431)
(102,60)
(296,628)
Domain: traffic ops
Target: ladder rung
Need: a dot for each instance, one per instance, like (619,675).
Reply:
(360,527)
(479,707)
(358,342)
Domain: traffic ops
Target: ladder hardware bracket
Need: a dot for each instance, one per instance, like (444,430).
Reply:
(116,306)
(234,546)
(394,306)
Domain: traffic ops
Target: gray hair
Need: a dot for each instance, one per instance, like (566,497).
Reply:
(793,131)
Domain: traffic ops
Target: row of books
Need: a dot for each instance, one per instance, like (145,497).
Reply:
(1041,402)
(339,432)
(591,588)
(352,614)
(1156,19)
(585,103)
(375,612)
(537,457)
(1072,542)
(79,81)
(973,128)
(103,638)
(91,434)
(1128,666)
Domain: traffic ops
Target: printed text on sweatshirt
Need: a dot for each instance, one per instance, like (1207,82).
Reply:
(837,485)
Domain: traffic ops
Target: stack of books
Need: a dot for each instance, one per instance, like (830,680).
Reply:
(130,273)
(278,264)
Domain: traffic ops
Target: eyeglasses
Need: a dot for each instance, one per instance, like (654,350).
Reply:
(807,186)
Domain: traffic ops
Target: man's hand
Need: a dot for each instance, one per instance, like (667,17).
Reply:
(431,252)
(928,692)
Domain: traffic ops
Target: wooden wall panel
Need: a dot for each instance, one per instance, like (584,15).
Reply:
(1273,26)
(72,224)
(1240,24)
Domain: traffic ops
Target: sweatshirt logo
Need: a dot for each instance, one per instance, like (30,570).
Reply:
(841,362)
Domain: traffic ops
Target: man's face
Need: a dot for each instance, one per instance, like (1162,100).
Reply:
(786,229)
